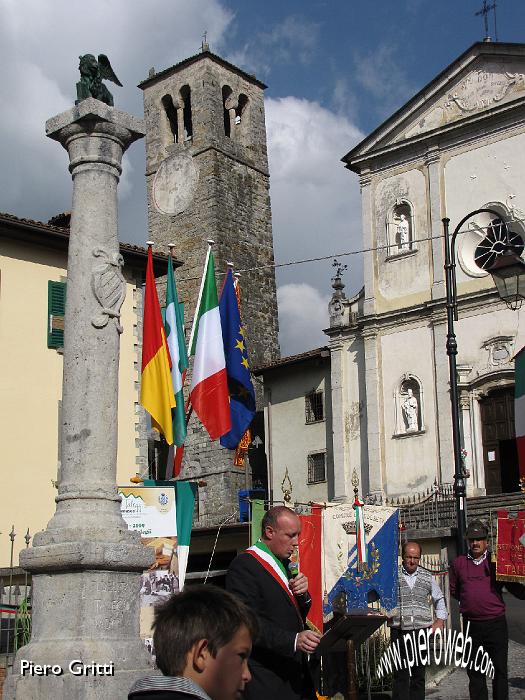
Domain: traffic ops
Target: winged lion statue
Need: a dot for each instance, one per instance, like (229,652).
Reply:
(92,72)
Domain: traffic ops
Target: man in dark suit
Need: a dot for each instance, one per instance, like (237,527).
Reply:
(260,577)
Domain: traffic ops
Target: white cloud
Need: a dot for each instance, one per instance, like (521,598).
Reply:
(303,313)
(316,207)
(293,39)
(380,74)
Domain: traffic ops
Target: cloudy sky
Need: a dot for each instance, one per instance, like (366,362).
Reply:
(335,70)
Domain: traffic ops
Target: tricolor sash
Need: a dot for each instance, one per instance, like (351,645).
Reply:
(276,570)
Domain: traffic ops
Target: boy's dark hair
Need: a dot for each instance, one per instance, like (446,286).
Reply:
(200,612)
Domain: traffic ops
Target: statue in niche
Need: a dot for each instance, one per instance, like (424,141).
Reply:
(92,72)
(410,412)
(403,233)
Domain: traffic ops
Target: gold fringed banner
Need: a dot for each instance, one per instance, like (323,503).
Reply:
(242,449)
(510,552)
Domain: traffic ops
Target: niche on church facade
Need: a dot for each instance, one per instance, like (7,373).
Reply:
(409,406)
(400,228)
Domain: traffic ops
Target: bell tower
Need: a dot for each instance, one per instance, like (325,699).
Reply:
(207,177)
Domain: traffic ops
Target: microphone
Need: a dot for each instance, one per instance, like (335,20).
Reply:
(293,568)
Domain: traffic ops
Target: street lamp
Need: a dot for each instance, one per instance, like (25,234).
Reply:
(508,271)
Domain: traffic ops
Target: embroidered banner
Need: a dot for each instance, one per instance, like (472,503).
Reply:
(510,552)
(310,564)
(341,571)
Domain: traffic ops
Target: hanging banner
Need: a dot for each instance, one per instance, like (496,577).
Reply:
(152,511)
(310,563)
(342,571)
(510,550)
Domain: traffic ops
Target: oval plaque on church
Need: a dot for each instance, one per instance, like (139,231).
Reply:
(174,184)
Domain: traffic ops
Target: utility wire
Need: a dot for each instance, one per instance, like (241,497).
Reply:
(321,258)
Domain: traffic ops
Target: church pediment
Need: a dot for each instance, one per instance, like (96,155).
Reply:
(480,90)
(483,78)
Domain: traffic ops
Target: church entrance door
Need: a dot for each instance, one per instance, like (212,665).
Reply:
(500,455)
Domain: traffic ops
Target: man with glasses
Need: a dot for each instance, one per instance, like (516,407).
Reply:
(416,589)
(473,583)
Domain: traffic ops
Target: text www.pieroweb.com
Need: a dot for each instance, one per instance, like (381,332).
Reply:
(421,647)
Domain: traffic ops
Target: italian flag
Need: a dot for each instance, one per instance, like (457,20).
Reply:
(519,408)
(209,386)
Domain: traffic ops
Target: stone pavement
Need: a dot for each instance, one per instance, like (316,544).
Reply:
(454,686)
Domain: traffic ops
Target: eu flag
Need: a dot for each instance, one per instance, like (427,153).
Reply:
(242,395)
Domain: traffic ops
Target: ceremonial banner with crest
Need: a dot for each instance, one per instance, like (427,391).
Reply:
(341,572)
(510,549)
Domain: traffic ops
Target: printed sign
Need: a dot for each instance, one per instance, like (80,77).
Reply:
(150,511)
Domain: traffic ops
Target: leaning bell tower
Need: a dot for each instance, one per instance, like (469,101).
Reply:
(207,178)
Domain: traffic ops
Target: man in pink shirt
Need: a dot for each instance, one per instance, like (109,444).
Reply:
(473,583)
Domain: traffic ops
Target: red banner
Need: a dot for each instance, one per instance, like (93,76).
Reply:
(510,552)
(310,563)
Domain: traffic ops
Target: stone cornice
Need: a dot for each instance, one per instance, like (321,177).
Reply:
(433,312)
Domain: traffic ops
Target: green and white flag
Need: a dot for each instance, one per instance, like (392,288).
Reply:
(174,327)
(519,408)
(185,499)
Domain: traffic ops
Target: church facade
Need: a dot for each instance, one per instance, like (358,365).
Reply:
(455,147)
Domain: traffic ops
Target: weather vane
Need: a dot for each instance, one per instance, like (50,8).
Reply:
(485,12)
(339,267)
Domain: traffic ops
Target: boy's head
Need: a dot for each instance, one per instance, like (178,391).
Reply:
(205,634)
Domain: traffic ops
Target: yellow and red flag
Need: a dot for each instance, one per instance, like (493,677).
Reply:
(156,389)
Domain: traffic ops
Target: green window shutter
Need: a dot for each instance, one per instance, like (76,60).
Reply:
(56,306)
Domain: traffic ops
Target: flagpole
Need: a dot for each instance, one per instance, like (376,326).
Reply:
(194,324)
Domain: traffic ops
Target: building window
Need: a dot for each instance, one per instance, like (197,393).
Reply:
(56,306)
(316,467)
(314,406)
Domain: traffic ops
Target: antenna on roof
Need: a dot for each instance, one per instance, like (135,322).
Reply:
(485,12)
(205,46)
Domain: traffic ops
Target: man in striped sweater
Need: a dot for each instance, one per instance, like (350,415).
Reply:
(416,589)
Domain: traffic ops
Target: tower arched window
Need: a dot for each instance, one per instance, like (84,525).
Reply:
(185,93)
(241,107)
(170,119)
(226,100)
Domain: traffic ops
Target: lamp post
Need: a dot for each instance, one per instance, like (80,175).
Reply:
(508,272)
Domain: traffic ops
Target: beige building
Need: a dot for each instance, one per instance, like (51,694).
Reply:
(33,261)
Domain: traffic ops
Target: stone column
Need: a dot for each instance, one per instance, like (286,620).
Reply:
(342,489)
(442,398)
(374,420)
(85,565)
(369,241)
(433,164)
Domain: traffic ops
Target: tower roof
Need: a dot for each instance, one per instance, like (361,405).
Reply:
(194,59)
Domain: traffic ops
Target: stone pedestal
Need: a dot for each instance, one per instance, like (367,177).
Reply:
(86,565)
